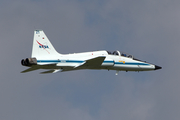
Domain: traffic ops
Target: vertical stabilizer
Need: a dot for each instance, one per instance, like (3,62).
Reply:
(42,47)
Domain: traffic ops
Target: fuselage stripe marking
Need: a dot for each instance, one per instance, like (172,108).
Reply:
(74,61)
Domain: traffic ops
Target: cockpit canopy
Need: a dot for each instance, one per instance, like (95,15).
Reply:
(118,53)
(113,53)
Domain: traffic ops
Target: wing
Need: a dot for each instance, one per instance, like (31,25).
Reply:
(91,63)
(95,62)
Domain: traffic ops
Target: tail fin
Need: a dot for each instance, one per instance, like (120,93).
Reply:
(42,47)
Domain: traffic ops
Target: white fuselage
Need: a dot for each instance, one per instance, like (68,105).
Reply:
(111,62)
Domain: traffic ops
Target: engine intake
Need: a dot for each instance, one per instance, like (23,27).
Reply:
(29,61)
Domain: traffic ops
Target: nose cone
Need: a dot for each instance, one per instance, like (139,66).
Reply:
(157,67)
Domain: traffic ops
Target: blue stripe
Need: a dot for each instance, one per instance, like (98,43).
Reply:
(47,61)
(131,63)
(74,61)
(78,61)
(58,61)
(108,62)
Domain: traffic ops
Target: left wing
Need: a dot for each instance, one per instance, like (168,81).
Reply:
(94,62)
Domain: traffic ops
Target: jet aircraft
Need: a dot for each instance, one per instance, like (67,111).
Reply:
(44,56)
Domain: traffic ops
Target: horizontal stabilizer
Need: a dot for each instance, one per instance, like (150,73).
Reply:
(30,69)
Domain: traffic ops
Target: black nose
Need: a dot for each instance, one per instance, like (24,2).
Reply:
(157,67)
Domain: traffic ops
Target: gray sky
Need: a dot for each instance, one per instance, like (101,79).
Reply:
(148,29)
